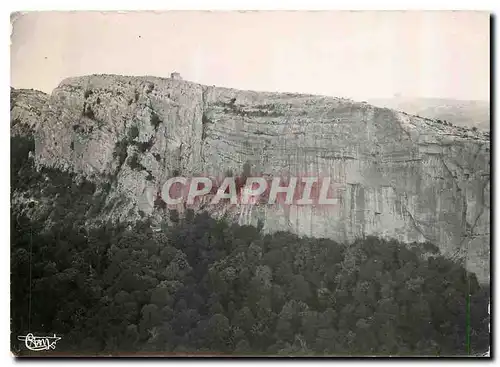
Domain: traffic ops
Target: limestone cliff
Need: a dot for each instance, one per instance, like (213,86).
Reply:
(398,175)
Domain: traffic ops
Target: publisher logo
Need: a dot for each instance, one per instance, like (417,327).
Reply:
(39,343)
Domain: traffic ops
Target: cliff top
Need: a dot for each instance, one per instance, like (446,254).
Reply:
(115,82)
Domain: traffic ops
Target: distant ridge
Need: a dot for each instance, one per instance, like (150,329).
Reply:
(465,113)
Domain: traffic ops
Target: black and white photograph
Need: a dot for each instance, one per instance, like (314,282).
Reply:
(250,183)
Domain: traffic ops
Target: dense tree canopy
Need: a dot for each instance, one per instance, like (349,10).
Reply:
(204,285)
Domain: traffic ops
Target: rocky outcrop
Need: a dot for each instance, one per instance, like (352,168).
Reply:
(396,175)
(26,107)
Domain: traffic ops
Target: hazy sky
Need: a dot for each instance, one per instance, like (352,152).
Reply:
(361,55)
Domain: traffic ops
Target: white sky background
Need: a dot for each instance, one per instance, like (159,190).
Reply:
(361,55)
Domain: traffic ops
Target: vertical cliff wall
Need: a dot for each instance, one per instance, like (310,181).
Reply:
(396,175)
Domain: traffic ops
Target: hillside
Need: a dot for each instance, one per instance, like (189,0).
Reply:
(459,112)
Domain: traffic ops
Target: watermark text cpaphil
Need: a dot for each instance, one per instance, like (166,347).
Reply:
(307,190)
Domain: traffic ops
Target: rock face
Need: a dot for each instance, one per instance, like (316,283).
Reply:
(396,175)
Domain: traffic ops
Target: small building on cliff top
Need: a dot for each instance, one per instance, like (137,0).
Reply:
(175,76)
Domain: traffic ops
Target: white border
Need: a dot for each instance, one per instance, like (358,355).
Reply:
(33,5)
(253,5)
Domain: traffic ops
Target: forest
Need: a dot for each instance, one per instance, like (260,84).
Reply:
(205,286)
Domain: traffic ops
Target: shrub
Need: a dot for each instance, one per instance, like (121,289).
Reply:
(145,146)
(121,152)
(159,203)
(155,120)
(205,119)
(133,133)
(88,112)
(134,163)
